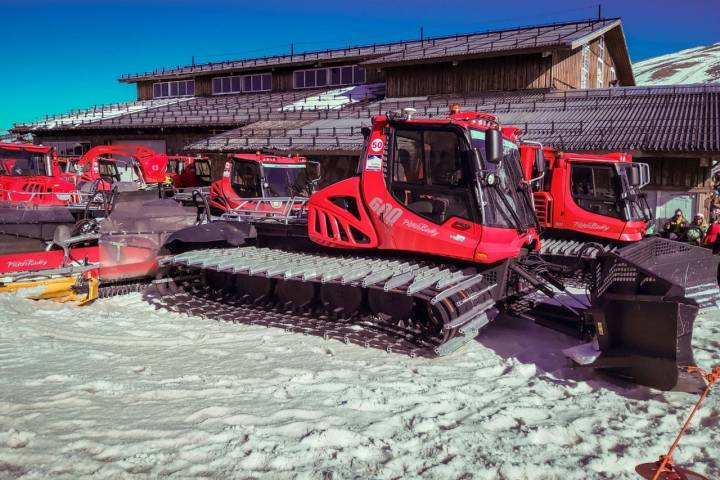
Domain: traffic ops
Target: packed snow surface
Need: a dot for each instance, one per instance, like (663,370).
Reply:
(119,390)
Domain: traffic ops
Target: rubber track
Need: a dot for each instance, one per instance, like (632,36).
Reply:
(464,297)
(365,331)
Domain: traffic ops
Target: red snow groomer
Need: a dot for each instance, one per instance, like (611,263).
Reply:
(590,206)
(188,172)
(30,175)
(133,165)
(188,177)
(583,198)
(53,257)
(265,185)
(423,248)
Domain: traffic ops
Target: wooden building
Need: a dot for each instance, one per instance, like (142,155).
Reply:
(179,106)
(568,85)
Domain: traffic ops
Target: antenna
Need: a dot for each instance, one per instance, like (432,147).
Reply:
(422,33)
(292,49)
(599,11)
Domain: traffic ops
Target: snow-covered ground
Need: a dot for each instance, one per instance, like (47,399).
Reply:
(119,390)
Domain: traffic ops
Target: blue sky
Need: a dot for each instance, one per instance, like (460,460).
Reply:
(66,54)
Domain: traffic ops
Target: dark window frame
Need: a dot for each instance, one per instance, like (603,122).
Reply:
(333,77)
(258,177)
(585,200)
(165,89)
(464,190)
(235,84)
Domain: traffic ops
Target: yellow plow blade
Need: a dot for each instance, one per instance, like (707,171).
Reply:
(61,289)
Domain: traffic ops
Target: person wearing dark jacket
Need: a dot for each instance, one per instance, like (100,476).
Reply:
(674,228)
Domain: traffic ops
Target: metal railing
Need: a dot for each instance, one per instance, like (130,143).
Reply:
(283,210)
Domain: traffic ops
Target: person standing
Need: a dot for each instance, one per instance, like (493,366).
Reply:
(712,237)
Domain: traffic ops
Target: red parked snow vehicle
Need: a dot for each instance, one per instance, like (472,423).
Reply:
(70,261)
(590,205)
(585,200)
(34,197)
(29,175)
(428,243)
(120,164)
(264,186)
(188,177)
(589,197)
(107,169)
(256,181)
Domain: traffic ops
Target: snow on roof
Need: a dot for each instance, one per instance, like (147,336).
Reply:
(693,65)
(220,111)
(96,114)
(338,98)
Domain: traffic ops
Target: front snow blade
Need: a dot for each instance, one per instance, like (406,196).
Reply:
(645,300)
(647,341)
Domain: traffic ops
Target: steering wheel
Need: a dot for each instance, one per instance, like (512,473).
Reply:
(88,226)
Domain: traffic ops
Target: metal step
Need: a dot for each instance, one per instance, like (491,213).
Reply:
(408,277)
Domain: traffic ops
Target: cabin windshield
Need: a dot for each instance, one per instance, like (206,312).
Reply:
(22,163)
(175,166)
(633,199)
(202,170)
(515,201)
(108,170)
(285,180)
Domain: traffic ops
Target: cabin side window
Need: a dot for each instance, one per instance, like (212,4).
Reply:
(594,188)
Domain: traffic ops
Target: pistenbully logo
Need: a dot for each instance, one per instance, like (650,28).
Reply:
(26,263)
(592,226)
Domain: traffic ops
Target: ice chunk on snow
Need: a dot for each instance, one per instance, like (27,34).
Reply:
(583,354)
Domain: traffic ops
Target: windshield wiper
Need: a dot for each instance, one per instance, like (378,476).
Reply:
(515,219)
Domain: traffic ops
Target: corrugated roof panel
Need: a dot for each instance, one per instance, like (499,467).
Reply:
(665,119)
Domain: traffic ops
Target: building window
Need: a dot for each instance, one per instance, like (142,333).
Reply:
(585,68)
(261,82)
(328,77)
(600,63)
(181,88)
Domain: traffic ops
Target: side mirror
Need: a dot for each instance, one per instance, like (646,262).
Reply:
(634,176)
(539,161)
(493,145)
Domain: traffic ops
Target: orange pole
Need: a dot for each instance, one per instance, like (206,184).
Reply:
(711,377)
